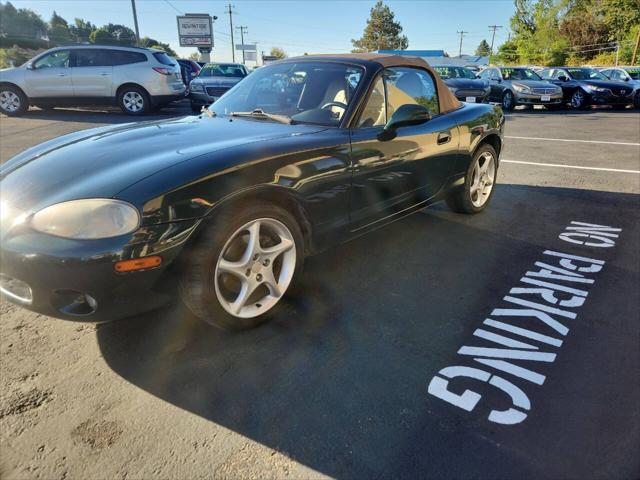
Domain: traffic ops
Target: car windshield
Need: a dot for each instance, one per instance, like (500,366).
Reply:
(633,73)
(306,92)
(519,74)
(222,70)
(585,74)
(455,72)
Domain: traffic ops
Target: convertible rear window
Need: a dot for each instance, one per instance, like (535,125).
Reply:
(307,92)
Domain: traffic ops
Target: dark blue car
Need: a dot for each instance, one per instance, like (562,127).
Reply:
(584,86)
(464,84)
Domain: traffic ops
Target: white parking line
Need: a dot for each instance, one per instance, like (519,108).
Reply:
(558,165)
(577,141)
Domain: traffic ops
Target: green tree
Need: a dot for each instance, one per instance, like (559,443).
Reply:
(278,53)
(153,43)
(484,49)
(59,32)
(382,32)
(21,27)
(81,30)
(113,34)
(508,53)
(195,56)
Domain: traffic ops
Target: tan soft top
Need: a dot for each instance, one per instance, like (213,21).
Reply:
(446,99)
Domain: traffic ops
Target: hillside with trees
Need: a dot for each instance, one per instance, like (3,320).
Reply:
(555,32)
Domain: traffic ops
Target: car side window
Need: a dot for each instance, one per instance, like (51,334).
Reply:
(94,57)
(57,59)
(545,74)
(374,113)
(406,85)
(124,57)
(495,75)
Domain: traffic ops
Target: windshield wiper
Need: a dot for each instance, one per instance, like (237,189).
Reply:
(259,113)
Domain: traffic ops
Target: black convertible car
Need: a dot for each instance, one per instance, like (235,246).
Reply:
(302,154)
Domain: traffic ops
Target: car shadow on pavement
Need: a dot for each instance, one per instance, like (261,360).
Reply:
(339,381)
(105,114)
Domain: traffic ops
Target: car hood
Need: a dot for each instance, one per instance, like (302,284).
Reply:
(101,162)
(466,83)
(607,84)
(217,81)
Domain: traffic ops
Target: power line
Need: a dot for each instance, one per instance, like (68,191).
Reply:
(174,7)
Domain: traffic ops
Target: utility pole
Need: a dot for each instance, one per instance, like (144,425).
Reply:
(135,21)
(243,30)
(233,45)
(461,32)
(635,49)
(493,36)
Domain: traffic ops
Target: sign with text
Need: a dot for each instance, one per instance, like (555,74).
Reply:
(246,46)
(195,30)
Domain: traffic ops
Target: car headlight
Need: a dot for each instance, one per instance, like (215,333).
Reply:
(521,88)
(593,88)
(87,219)
(196,87)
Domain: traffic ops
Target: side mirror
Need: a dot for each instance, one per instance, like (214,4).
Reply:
(409,114)
(30,66)
(562,78)
(626,79)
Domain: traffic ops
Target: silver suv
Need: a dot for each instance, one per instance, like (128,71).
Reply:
(136,79)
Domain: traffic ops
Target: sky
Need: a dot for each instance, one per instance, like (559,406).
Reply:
(297,26)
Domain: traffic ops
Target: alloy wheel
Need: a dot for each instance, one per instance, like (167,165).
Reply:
(577,99)
(9,101)
(507,100)
(483,179)
(133,101)
(255,268)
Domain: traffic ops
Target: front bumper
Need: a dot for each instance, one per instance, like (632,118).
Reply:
(473,99)
(608,98)
(537,99)
(203,98)
(163,99)
(76,280)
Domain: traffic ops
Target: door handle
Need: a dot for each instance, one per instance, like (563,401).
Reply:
(444,137)
(104,74)
(62,74)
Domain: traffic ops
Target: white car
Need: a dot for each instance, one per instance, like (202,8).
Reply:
(136,79)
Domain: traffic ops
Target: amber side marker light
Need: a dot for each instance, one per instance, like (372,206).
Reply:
(137,264)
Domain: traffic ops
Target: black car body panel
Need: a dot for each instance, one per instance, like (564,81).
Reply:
(339,182)
(463,88)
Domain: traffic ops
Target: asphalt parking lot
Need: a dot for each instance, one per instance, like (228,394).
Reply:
(415,353)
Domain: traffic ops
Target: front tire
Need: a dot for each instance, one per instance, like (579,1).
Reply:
(478,184)
(242,265)
(508,101)
(12,101)
(134,100)
(579,100)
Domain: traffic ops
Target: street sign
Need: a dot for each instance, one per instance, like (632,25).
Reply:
(251,56)
(246,46)
(195,30)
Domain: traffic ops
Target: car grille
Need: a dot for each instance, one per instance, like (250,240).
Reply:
(216,91)
(622,92)
(470,93)
(544,91)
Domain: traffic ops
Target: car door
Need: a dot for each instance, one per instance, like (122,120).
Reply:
(49,76)
(392,176)
(91,73)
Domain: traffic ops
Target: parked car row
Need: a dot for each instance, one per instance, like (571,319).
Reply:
(556,87)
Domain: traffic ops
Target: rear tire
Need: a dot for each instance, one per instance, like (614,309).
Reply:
(224,263)
(476,193)
(13,102)
(134,100)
